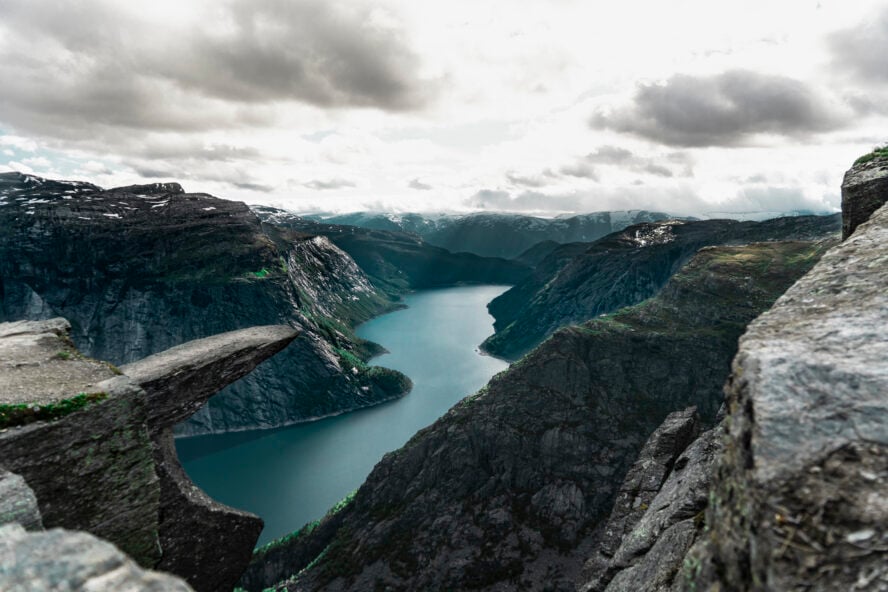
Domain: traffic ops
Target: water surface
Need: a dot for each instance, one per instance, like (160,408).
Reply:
(293,475)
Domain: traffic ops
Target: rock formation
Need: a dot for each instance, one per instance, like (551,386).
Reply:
(799,495)
(74,561)
(580,281)
(507,489)
(140,269)
(94,444)
(397,261)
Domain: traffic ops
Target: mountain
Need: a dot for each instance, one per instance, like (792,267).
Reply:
(506,490)
(140,269)
(496,234)
(580,281)
(398,261)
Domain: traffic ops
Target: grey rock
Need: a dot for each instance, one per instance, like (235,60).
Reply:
(508,489)
(799,496)
(643,482)
(64,561)
(111,468)
(93,470)
(657,569)
(178,381)
(38,363)
(864,190)
(138,270)
(18,503)
(207,543)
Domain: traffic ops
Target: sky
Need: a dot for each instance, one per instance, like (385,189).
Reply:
(544,107)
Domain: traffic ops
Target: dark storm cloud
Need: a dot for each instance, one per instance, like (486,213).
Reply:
(721,110)
(87,66)
(418,185)
(862,50)
(323,185)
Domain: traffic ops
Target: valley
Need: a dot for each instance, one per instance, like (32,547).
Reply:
(292,476)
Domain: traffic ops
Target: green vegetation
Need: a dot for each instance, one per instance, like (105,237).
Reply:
(390,381)
(23,414)
(261,274)
(63,355)
(306,529)
(878,152)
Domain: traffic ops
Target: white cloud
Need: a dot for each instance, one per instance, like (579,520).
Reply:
(421,105)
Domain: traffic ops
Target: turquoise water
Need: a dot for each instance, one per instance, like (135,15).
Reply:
(293,475)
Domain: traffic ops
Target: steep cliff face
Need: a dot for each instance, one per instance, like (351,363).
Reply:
(397,261)
(788,492)
(140,269)
(507,489)
(577,282)
(92,448)
(799,493)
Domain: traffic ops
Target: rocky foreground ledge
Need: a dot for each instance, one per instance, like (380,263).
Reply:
(88,447)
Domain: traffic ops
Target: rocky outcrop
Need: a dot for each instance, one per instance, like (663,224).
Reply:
(140,269)
(397,261)
(508,489)
(580,281)
(179,381)
(72,561)
(18,503)
(644,544)
(799,494)
(864,190)
(98,452)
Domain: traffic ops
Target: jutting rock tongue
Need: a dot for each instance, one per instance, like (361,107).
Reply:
(95,446)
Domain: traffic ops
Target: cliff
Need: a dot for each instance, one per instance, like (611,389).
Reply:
(580,281)
(397,261)
(507,489)
(140,269)
(787,493)
(85,446)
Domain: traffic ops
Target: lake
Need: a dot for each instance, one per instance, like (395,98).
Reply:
(290,476)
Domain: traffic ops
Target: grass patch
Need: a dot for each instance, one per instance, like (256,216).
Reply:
(24,414)
(878,152)
(305,530)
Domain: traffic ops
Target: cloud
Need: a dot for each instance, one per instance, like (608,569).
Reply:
(615,156)
(418,185)
(324,185)
(86,65)
(526,181)
(862,50)
(579,169)
(721,110)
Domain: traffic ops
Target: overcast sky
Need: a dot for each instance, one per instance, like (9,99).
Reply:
(540,106)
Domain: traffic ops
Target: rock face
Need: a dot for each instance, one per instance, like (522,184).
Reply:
(864,190)
(799,495)
(137,270)
(657,518)
(397,261)
(18,503)
(507,489)
(491,234)
(99,455)
(578,282)
(72,561)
